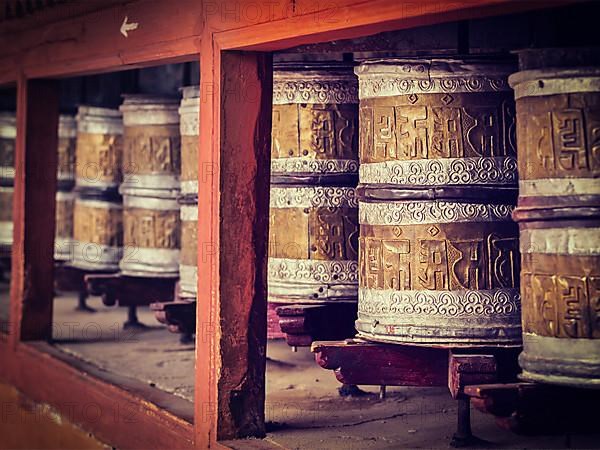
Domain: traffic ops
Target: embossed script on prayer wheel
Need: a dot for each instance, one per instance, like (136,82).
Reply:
(188,266)
(8,133)
(97,233)
(65,198)
(558,116)
(313,237)
(151,186)
(189,129)
(99,149)
(438,259)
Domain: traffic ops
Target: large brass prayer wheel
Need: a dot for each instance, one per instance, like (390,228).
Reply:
(438,259)
(97,212)
(558,117)
(313,236)
(189,128)
(151,165)
(8,133)
(65,197)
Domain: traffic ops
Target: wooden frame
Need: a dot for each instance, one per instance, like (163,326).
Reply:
(233,194)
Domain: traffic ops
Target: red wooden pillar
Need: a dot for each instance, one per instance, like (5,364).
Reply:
(234,161)
(31,289)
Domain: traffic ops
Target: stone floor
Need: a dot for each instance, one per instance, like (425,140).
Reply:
(303,408)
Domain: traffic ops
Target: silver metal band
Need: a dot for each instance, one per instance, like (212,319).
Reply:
(159,262)
(65,196)
(189,213)
(572,362)
(440,316)
(550,187)
(164,185)
(444,171)
(314,86)
(189,111)
(311,270)
(535,83)
(6,232)
(189,187)
(188,280)
(316,166)
(154,203)
(561,241)
(67,126)
(92,183)
(292,292)
(315,196)
(433,211)
(389,77)
(7,172)
(99,120)
(8,125)
(89,255)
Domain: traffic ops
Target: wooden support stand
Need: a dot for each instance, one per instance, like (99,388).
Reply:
(69,278)
(179,316)
(535,408)
(304,324)
(130,292)
(359,362)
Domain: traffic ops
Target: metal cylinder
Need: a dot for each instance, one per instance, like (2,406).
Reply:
(313,233)
(8,133)
(189,128)
(99,149)
(438,259)
(151,166)
(65,197)
(97,212)
(97,233)
(558,115)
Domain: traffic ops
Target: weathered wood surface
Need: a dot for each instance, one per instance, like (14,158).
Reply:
(31,291)
(129,291)
(534,408)
(303,324)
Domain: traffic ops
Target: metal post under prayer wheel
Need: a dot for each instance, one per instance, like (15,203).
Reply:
(65,197)
(439,259)
(558,117)
(97,216)
(313,210)
(150,186)
(8,133)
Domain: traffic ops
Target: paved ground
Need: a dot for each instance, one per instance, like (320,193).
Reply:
(303,408)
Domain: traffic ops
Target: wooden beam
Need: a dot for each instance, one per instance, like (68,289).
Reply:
(119,411)
(31,290)
(234,161)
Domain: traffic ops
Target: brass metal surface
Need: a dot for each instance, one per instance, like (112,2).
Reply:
(98,157)
(151,149)
(151,228)
(98,225)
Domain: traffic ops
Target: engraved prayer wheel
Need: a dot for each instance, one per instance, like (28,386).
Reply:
(151,165)
(99,150)
(97,233)
(438,259)
(189,130)
(97,212)
(8,133)
(65,198)
(313,236)
(558,114)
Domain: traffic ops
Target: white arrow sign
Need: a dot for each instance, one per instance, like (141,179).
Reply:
(125,27)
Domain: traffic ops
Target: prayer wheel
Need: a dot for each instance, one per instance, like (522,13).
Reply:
(558,115)
(97,212)
(99,150)
(438,259)
(189,129)
(313,236)
(151,165)
(8,133)
(65,198)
